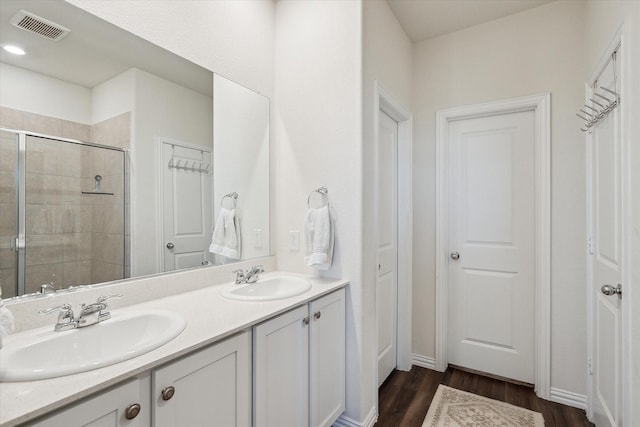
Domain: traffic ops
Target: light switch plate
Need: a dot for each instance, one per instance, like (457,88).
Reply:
(294,240)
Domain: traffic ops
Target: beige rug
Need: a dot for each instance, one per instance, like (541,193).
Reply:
(456,408)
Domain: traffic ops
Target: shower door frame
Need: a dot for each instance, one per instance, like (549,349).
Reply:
(18,243)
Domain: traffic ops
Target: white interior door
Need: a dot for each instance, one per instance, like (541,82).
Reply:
(605,263)
(387,277)
(491,240)
(187,208)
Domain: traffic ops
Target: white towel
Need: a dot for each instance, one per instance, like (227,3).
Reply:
(319,237)
(226,239)
(7,325)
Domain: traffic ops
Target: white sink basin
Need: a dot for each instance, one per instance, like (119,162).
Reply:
(267,288)
(48,354)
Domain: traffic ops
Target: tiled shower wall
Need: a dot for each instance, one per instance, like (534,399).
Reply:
(72,238)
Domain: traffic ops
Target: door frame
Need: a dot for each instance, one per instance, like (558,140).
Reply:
(540,105)
(617,42)
(383,100)
(160,140)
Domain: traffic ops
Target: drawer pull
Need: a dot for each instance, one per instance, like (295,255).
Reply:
(132,411)
(317,314)
(305,321)
(168,392)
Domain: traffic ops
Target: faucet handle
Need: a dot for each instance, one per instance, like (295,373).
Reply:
(240,277)
(65,308)
(103,298)
(257,268)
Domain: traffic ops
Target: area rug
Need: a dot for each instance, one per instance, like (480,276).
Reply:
(456,408)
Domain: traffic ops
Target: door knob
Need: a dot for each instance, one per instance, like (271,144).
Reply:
(611,290)
(170,245)
(455,255)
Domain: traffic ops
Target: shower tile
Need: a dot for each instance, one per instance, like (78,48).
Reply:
(43,249)
(42,189)
(77,247)
(112,246)
(8,219)
(37,275)
(75,130)
(69,190)
(101,132)
(42,124)
(10,118)
(8,152)
(69,159)
(76,218)
(41,157)
(43,219)
(76,273)
(123,130)
(7,186)
(104,272)
(8,280)
(8,257)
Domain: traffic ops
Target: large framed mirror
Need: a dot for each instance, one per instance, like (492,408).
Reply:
(92,109)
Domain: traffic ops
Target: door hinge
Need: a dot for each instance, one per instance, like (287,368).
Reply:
(590,245)
(590,366)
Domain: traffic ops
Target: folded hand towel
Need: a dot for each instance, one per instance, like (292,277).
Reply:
(319,238)
(226,235)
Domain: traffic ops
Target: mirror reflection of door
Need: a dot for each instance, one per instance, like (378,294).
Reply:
(186,208)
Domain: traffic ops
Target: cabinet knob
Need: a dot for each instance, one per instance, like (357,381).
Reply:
(305,320)
(317,314)
(132,411)
(168,392)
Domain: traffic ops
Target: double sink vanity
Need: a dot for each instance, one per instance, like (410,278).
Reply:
(269,351)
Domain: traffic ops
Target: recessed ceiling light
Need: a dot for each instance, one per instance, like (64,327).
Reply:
(14,49)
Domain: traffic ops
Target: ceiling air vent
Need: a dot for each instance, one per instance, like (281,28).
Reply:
(40,26)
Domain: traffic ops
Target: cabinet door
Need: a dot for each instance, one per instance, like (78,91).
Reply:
(106,409)
(212,387)
(327,359)
(281,370)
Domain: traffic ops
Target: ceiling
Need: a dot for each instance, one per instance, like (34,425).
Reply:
(93,52)
(424,19)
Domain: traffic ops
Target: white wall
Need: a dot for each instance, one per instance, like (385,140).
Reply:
(387,58)
(113,97)
(532,52)
(162,109)
(241,160)
(26,90)
(603,19)
(318,99)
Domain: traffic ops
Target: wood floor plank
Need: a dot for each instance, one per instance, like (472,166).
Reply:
(405,397)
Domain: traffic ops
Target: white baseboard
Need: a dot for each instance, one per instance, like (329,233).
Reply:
(370,420)
(568,398)
(423,361)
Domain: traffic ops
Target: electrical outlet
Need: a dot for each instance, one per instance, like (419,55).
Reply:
(294,240)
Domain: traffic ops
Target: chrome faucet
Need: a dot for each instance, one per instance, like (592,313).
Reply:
(251,276)
(90,314)
(47,288)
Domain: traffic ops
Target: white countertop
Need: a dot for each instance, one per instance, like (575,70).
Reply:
(210,317)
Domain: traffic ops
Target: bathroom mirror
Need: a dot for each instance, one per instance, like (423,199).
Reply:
(104,86)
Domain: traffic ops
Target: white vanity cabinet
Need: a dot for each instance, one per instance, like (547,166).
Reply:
(111,408)
(299,365)
(208,387)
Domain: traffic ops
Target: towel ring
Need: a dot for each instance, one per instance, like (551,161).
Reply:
(233,196)
(320,190)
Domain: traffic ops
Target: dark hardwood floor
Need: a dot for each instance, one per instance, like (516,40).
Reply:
(405,397)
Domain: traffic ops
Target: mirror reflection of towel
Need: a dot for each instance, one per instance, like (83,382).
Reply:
(226,239)
(319,238)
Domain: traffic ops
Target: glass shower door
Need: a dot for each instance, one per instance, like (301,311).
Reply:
(8,213)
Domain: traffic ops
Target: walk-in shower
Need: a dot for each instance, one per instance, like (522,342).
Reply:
(62,213)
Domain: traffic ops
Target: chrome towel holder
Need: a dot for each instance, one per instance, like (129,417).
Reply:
(323,191)
(233,196)
(598,110)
